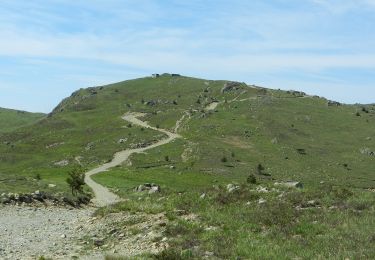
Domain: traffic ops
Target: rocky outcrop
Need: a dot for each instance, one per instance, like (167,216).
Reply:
(290,184)
(149,187)
(40,197)
(231,86)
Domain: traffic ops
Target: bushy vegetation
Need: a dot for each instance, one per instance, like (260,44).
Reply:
(262,221)
(76,180)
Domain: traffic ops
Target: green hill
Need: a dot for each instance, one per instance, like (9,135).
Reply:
(293,135)
(12,119)
(229,131)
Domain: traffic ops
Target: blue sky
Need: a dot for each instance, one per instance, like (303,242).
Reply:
(48,49)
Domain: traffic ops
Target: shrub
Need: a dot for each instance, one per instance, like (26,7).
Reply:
(76,180)
(224,159)
(251,179)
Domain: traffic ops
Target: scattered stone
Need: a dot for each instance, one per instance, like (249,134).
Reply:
(367,151)
(122,141)
(275,141)
(231,187)
(150,187)
(51,185)
(231,86)
(290,184)
(63,236)
(331,103)
(62,163)
(261,201)
(202,196)
(98,242)
(312,203)
(262,189)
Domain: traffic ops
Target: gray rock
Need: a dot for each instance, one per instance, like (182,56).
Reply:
(232,187)
(231,86)
(290,184)
(150,187)
(367,151)
(122,141)
(62,163)
(261,201)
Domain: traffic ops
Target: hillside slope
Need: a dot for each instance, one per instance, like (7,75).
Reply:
(12,119)
(228,127)
(219,187)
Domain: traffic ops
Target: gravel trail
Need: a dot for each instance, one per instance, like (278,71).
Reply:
(31,232)
(103,196)
(60,233)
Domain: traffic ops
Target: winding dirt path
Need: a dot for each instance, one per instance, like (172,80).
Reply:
(103,196)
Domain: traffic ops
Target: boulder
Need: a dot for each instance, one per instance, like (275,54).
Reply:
(122,140)
(150,187)
(261,201)
(290,184)
(367,151)
(152,103)
(62,163)
(331,103)
(231,187)
(231,86)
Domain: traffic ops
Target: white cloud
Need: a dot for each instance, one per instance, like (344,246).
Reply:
(342,6)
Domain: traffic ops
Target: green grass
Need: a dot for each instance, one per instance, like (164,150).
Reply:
(294,138)
(234,225)
(12,119)
(250,126)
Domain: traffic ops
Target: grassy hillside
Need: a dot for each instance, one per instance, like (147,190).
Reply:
(12,119)
(228,130)
(292,135)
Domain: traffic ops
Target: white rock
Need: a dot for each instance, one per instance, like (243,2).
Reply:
(261,201)
(262,189)
(290,184)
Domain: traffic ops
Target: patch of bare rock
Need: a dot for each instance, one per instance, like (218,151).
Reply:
(65,233)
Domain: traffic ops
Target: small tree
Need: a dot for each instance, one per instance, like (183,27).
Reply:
(251,179)
(166,158)
(224,159)
(76,180)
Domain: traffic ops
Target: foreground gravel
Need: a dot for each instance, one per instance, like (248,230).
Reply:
(31,232)
(63,233)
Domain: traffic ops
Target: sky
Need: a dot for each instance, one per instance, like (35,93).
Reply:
(48,49)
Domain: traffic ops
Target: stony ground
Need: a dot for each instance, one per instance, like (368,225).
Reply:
(61,233)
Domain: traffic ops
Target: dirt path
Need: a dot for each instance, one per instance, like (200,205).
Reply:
(105,197)
(212,106)
(61,233)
